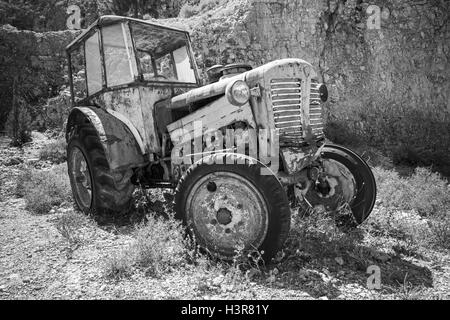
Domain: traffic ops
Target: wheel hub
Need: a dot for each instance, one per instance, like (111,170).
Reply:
(225,210)
(224,216)
(333,187)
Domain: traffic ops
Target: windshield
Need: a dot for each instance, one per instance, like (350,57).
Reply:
(163,54)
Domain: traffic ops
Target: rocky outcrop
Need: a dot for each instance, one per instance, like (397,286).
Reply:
(50,15)
(35,62)
(389,85)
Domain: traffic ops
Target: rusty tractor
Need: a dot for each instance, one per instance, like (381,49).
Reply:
(239,150)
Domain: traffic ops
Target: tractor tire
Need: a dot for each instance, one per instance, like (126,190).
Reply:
(96,189)
(228,206)
(343,165)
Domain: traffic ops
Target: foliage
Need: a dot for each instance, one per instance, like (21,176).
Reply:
(44,189)
(191,9)
(160,245)
(18,123)
(141,8)
(54,151)
(69,226)
(424,191)
(415,209)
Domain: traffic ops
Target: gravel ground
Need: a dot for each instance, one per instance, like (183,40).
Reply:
(37,262)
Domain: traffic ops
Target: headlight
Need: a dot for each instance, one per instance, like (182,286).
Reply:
(238,92)
(323,92)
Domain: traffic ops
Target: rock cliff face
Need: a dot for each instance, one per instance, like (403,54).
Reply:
(33,62)
(386,62)
(387,65)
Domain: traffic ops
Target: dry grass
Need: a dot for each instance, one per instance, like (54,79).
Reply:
(44,189)
(426,192)
(70,226)
(414,209)
(160,246)
(54,151)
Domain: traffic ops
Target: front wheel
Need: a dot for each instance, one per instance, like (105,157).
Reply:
(346,187)
(229,206)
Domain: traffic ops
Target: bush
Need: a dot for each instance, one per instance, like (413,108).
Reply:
(44,189)
(18,124)
(69,226)
(424,191)
(159,246)
(119,265)
(23,177)
(188,11)
(440,231)
(55,151)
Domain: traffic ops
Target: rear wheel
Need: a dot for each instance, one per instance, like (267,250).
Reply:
(346,187)
(95,188)
(231,206)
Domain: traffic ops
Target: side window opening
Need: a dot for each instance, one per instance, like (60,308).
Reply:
(183,65)
(93,64)
(165,67)
(120,63)
(163,54)
(78,73)
(147,64)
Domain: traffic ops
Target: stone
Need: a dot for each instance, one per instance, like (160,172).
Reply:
(13,161)
(339,261)
(217,281)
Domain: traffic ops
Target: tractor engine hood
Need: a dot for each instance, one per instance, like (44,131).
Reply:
(218,88)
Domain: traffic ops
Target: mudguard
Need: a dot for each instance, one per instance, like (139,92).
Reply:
(123,149)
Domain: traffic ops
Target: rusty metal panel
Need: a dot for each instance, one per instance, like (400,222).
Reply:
(118,142)
(149,96)
(213,116)
(137,105)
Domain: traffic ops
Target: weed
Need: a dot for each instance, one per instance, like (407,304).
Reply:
(69,226)
(424,191)
(119,265)
(43,190)
(54,151)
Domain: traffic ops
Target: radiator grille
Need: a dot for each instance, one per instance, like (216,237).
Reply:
(286,102)
(286,97)
(315,110)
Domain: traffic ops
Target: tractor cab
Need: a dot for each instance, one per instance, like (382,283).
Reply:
(125,66)
(118,51)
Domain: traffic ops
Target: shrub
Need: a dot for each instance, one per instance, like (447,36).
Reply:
(188,11)
(44,189)
(206,5)
(424,191)
(160,244)
(119,265)
(18,123)
(55,151)
(23,177)
(440,231)
(69,226)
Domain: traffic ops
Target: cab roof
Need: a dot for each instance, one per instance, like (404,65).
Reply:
(109,20)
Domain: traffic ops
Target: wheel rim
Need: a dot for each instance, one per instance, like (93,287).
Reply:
(81,178)
(226,211)
(342,188)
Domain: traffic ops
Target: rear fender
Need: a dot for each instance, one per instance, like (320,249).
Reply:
(121,146)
